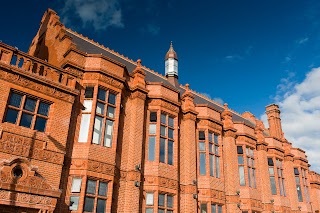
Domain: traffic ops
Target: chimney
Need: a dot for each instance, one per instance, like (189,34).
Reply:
(274,121)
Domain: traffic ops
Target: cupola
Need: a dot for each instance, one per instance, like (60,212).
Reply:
(171,63)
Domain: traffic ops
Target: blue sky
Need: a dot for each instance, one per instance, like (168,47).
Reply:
(247,53)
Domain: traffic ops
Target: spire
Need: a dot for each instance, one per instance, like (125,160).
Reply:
(171,53)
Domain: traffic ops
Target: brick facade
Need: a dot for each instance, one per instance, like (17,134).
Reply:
(119,137)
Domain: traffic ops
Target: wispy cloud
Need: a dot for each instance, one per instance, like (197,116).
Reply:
(300,113)
(233,58)
(98,14)
(238,57)
(303,40)
(150,28)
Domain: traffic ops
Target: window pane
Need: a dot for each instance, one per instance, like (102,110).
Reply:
(296,171)
(11,116)
(169,201)
(241,175)
(74,202)
(161,200)
(280,187)
(102,94)
(15,100)
(162,130)
(170,133)
(149,199)
(270,162)
(97,130)
(88,204)
(91,187)
(211,147)
(162,150)
(217,150)
(271,171)
(254,178)
(163,118)
(213,208)
(40,124)
(251,153)
(249,176)
(100,108)
(239,150)
(111,111)
(101,206)
(210,136)
(211,160)
(170,152)
(160,210)
(202,164)
(203,208)
(216,141)
(43,109)
(201,135)
(171,121)
(299,193)
(153,116)
(273,185)
(202,146)
(152,128)
(108,134)
(87,106)
(112,99)
(76,184)
(149,210)
(103,187)
(240,159)
(88,92)
(217,167)
(30,104)
(151,148)
(84,128)
(26,120)
(219,209)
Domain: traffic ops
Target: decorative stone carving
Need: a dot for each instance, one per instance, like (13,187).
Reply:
(17,79)
(164,104)
(100,167)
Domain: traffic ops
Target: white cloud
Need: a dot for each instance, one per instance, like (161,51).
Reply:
(99,14)
(300,114)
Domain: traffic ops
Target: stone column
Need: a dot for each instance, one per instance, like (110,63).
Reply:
(231,174)
(188,155)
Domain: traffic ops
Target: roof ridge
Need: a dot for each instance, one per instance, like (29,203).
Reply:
(113,52)
(212,101)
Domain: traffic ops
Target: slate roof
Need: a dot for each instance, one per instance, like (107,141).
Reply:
(85,45)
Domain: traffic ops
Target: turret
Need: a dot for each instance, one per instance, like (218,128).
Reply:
(171,66)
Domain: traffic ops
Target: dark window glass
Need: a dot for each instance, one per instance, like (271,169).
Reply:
(163,118)
(40,124)
(11,116)
(26,120)
(102,94)
(170,152)
(103,188)
(160,210)
(169,201)
(239,150)
(203,208)
(153,116)
(91,187)
(101,206)
(162,150)
(170,133)
(30,104)
(171,121)
(163,130)
(201,135)
(15,100)
(88,204)
(296,171)
(219,209)
(112,98)
(43,109)
(216,139)
(270,162)
(161,200)
(88,92)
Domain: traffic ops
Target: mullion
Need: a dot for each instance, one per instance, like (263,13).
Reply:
(21,109)
(33,123)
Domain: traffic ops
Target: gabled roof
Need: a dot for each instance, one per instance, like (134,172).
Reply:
(91,47)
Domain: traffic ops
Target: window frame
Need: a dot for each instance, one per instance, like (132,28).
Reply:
(22,111)
(96,196)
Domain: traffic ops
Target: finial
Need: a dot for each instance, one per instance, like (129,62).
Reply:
(171,44)
(187,86)
(139,63)
(225,106)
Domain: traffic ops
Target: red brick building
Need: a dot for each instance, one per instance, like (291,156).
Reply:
(85,129)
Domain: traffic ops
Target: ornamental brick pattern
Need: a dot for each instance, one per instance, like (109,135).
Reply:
(119,137)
